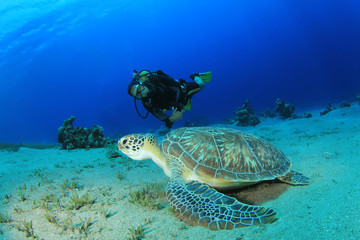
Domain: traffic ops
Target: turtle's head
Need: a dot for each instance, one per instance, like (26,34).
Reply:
(139,146)
(142,147)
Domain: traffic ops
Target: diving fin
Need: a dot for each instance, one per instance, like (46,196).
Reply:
(188,105)
(206,76)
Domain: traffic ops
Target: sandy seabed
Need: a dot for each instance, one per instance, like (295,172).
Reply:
(38,183)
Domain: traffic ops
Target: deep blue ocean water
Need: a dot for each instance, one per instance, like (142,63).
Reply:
(64,58)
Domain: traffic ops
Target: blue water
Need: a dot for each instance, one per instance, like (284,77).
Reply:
(64,58)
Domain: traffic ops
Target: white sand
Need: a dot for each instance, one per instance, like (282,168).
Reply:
(326,148)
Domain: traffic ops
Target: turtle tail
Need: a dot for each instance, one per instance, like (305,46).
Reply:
(212,209)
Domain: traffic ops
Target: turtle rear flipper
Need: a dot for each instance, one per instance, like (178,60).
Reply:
(212,209)
(295,178)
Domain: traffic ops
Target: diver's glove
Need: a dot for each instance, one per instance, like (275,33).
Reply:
(176,115)
(193,75)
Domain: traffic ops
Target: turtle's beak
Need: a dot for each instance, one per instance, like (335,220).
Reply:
(121,144)
(120,147)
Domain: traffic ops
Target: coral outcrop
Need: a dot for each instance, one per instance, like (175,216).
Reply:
(78,137)
(267,113)
(331,107)
(328,109)
(244,116)
(284,109)
(345,104)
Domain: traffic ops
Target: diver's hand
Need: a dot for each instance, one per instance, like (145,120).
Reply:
(176,115)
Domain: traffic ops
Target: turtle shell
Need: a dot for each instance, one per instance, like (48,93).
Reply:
(225,153)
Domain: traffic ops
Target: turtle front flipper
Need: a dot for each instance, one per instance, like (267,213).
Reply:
(212,209)
(295,178)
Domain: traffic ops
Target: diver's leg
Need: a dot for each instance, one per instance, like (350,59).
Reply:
(199,81)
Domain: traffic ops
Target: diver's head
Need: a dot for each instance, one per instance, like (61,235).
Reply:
(142,76)
(138,90)
(139,87)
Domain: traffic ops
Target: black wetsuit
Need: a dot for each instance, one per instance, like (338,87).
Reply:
(166,93)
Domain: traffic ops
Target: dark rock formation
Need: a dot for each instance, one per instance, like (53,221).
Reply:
(112,152)
(72,138)
(227,121)
(284,109)
(304,115)
(267,113)
(328,109)
(345,104)
(307,115)
(245,115)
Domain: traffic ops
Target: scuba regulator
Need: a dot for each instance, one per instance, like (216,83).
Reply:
(139,78)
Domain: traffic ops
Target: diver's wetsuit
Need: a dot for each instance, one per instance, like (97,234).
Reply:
(165,93)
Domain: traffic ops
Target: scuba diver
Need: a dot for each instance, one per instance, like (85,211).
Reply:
(159,92)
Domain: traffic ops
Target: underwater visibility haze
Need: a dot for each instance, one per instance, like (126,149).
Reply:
(65,58)
(62,60)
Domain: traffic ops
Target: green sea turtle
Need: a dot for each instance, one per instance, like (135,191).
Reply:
(199,160)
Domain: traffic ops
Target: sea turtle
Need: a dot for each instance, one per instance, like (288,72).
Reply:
(199,160)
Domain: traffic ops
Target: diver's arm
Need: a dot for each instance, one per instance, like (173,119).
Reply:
(157,112)
(169,120)
(176,115)
(162,117)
